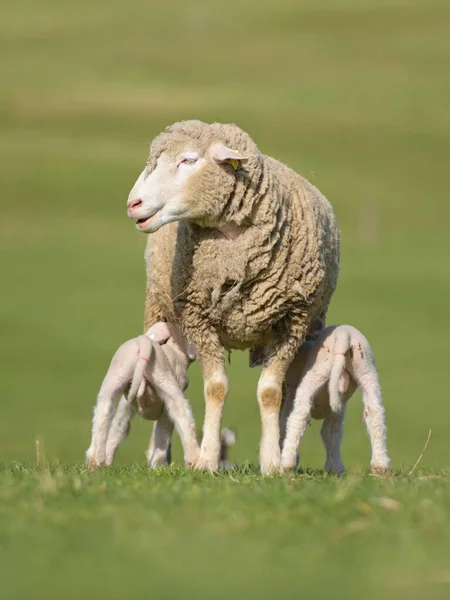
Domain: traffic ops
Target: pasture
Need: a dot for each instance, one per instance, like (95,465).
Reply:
(353,95)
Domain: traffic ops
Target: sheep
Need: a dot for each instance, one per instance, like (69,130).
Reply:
(341,359)
(244,252)
(151,372)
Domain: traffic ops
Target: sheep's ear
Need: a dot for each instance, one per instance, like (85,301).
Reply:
(159,332)
(222,154)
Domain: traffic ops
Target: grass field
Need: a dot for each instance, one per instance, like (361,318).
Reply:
(355,96)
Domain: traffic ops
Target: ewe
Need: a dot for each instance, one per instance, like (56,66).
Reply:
(321,379)
(248,257)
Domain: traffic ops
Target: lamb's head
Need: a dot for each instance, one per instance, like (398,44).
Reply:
(193,172)
(168,333)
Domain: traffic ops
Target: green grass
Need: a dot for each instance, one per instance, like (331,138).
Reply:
(355,96)
(174,533)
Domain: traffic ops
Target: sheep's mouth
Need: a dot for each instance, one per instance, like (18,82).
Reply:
(144,222)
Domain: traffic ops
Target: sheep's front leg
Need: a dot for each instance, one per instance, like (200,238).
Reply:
(215,391)
(159,449)
(278,357)
(270,390)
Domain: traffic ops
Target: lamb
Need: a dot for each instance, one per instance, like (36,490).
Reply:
(342,358)
(244,253)
(151,372)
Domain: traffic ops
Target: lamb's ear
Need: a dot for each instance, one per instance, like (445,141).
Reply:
(159,332)
(222,154)
(191,353)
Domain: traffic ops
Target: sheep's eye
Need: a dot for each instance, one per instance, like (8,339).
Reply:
(187,161)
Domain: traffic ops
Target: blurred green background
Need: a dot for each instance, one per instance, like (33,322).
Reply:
(354,95)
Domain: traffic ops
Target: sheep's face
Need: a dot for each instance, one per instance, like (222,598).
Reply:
(184,183)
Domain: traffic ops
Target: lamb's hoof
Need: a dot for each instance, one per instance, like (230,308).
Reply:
(380,471)
(337,470)
(157,460)
(287,465)
(94,465)
(270,469)
(192,461)
(207,465)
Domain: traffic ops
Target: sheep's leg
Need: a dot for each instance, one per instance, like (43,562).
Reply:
(270,391)
(215,391)
(111,388)
(120,428)
(159,449)
(374,418)
(331,432)
(180,413)
(313,379)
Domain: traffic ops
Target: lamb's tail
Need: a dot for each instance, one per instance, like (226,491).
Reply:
(341,346)
(145,350)
(227,439)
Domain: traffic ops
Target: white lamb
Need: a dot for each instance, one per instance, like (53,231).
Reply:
(342,358)
(150,371)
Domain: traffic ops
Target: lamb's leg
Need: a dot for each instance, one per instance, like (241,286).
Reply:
(111,388)
(286,408)
(180,413)
(374,417)
(331,432)
(313,379)
(159,449)
(120,428)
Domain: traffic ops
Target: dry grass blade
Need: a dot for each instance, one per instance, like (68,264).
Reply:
(421,454)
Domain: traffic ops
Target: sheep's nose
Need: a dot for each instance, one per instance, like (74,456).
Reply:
(131,206)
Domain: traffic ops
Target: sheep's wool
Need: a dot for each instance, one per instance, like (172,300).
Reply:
(280,266)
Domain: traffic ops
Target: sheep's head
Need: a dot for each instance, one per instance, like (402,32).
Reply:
(191,174)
